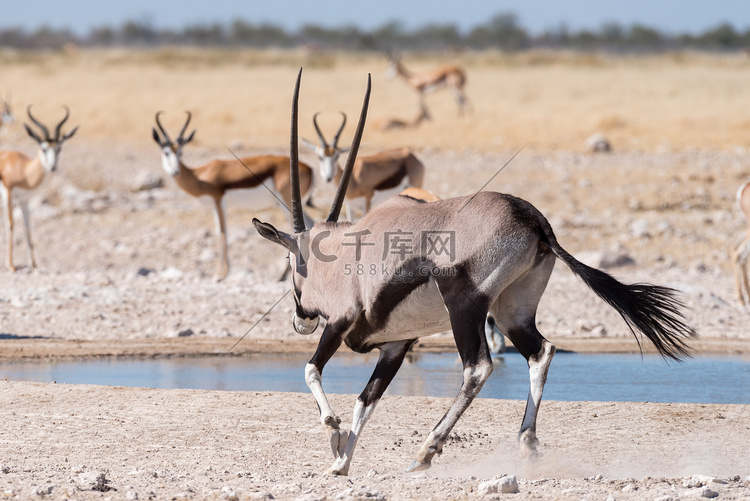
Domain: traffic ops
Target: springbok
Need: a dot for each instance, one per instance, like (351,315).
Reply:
(495,338)
(410,269)
(6,116)
(450,75)
(391,123)
(741,250)
(20,175)
(384,170)
(218,176)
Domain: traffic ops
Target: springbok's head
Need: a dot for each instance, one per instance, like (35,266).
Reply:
(394,60)
(50,145)
(328,154)
(6,116)
(171,152)
(305,321)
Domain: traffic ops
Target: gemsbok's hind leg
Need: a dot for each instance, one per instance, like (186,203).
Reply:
(467,321)
(515,314)
(391,356)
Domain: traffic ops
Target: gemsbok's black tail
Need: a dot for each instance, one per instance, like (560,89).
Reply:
(652,310)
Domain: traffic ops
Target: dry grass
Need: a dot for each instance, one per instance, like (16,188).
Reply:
(548,101)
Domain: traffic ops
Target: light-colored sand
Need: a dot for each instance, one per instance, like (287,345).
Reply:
(168,444)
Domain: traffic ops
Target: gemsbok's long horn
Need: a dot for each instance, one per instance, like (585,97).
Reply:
(38,124)
(335,141)
(298,219)
(338,200)
(59,126)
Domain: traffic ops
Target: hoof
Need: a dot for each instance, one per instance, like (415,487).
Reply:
(417,466)
(339,469)
(332,421)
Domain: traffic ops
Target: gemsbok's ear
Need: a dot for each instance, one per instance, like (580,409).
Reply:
(268,232)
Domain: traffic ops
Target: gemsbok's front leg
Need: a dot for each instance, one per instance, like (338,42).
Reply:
(330,341)
(391,356)
(467,321)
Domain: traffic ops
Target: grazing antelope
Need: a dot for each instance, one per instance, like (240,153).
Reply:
(20,174)
(451,76)
(6,116)
(495,338)
(218,176)
(411,268)
(384,170)
(390,123)
(741,250)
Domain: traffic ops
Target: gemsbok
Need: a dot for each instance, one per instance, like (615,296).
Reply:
(382,171)
(450,75)
(19,175)
(216,177)
(411,269)
(741,250)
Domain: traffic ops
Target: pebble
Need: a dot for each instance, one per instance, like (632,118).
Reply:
(131,495)
(93,481)
(505,485)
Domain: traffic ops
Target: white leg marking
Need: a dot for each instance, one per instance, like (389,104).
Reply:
(360,416)
(314,382)
(538,368)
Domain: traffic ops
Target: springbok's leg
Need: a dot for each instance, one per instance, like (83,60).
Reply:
(332,337)
(740,256)
(27,226)
(8,206)
(391,357)
(515,315)
(221,228)
(467,321)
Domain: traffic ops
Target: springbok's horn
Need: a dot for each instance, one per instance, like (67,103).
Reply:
(338,200)
(184,127)
(38,124)
(335,141)
(298,220)
(59,126)
(163,132)
(317,129)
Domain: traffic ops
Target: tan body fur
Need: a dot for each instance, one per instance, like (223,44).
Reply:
(450,76)
(384,170)
(20,172)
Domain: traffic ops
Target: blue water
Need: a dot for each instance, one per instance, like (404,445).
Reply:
(572,376)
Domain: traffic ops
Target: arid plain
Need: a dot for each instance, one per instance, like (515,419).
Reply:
(123,271)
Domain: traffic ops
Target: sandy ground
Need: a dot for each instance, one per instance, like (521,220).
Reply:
(124,272)
(176,444)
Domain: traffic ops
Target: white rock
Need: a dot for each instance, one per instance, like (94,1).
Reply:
(598,144)
(505,485)
(131,495)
